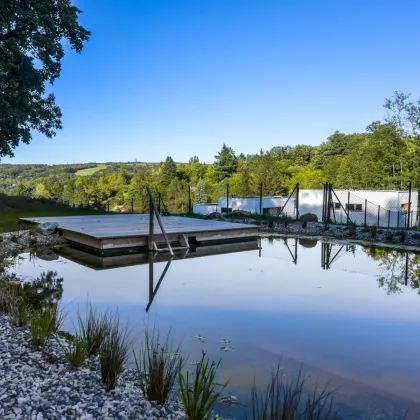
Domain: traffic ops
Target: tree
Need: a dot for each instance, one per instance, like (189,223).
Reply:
(168,171)
(31,50)
(200,193)
(225,163)
(403,113)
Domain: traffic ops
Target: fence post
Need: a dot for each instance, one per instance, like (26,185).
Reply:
(409,206)
(150,238)
(261,195)
(389,218)
(323,205)
(227,199)
(132,205)
(329,202)
(379,213)
(297,201)
(365,212)
(348,207)
(189,198)
(398,218)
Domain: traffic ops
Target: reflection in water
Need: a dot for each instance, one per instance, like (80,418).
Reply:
(316,302)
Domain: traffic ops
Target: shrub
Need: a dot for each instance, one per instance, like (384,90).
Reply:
(45,323)
(287,400)
(158,366)
(373,232)
(113,353)
(388,235)
(76,351)
(94,329)
(200,394)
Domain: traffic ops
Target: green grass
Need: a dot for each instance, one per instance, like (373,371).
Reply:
(91,171)
(12,208)
(199,392)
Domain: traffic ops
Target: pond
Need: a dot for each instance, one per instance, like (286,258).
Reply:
(349,313)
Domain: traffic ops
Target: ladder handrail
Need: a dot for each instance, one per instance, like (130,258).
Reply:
(154,210)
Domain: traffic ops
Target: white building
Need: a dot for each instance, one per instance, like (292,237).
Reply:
(363,207)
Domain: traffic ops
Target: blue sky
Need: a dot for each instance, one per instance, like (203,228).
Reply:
(182,77)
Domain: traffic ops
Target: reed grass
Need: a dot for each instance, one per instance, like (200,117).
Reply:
(20,313)
(113,352)
(199,392)
(287,400)
(158,365)
(46,322)
(94,329)
(75,351)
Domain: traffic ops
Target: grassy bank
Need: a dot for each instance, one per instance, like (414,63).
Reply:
(12,208)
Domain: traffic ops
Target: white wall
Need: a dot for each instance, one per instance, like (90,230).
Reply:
(385,203)
(252,204)
(204,209)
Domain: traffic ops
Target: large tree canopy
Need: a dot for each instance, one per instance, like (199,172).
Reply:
(31,50)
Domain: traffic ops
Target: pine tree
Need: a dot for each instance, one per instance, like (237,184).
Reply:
(225,164)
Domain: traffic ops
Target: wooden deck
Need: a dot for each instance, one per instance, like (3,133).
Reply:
(118,232)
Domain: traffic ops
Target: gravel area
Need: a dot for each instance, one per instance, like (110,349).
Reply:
(39,384)
(24,240)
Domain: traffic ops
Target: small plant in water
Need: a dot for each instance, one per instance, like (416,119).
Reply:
(76,351)
(113,353)
(200,392)
(286,400)
(158,366)
(45,323)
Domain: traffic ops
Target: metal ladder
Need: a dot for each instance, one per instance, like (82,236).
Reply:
(152,245)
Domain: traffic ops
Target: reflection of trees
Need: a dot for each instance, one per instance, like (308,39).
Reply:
(397,268)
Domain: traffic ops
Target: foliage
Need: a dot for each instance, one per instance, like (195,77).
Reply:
(113,353)
(76,351)
(200,193)
(158,366)
(286,400)
(44,291)
(45,322)
(20,312)
(200,393)
(31,51)
(225,163)
(93,329)
(384,156)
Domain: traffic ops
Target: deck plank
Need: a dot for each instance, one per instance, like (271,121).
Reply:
(133,225)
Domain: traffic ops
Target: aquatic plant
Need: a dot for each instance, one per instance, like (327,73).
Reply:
(158,365)
(45,322)
(287,400)
(113,352)
(75,351)
(93,328)
(200,393)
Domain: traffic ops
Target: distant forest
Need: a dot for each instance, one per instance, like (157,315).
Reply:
(385,156)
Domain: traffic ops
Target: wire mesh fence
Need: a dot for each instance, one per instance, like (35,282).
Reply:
(382,208)
(274,205)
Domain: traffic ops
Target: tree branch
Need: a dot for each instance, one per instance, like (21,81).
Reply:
(14,33)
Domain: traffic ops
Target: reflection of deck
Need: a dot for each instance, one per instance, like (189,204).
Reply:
(102,263)
(112,232)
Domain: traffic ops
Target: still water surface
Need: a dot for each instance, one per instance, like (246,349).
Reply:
(349,313)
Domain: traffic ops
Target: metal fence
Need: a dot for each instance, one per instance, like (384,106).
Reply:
(398,209)
(381,208)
